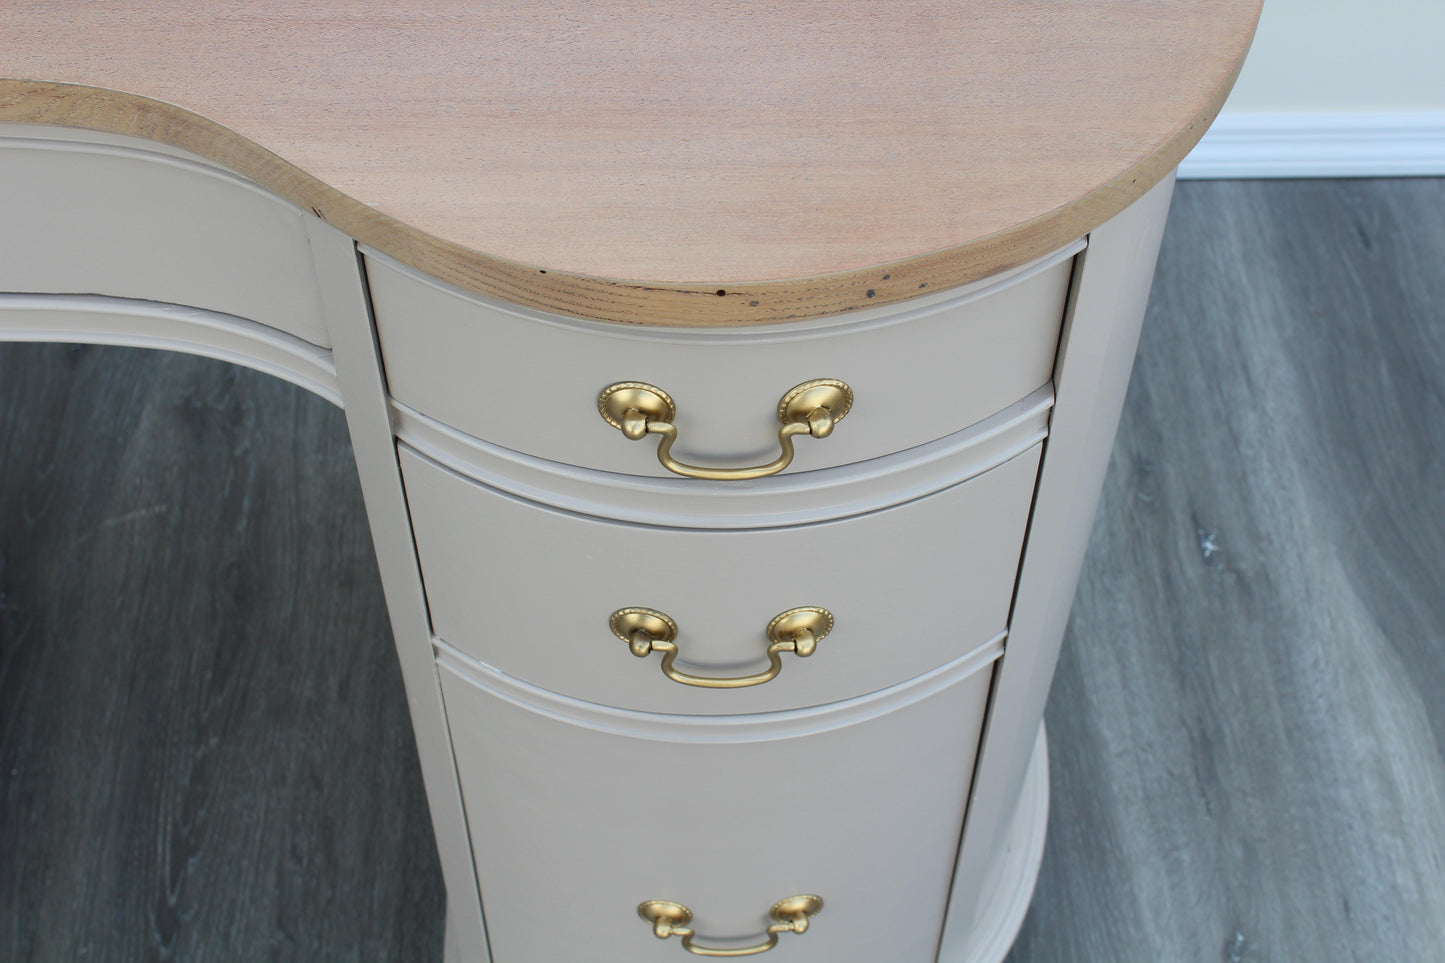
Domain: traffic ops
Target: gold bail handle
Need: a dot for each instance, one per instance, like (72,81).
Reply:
(638,410)
(647,631)
(670,919)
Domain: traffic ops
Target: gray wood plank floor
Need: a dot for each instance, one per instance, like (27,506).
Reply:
(1247,721)
(204,745)
(204,752)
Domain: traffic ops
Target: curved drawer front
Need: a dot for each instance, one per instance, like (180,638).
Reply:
(530,590)
(579,821)
(530,382)
(86,218)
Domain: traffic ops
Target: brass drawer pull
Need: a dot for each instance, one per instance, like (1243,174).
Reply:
(639,410)
(647,631)
(671,919)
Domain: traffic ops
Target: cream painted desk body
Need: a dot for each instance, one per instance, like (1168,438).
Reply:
(897,772)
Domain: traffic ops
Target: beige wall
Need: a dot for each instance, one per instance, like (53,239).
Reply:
(1345,55)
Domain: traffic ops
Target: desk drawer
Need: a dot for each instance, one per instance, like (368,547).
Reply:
(83,218)
(580,814)
(530,382)
(531,591)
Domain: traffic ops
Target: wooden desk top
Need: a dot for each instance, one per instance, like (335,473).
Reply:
(660,161)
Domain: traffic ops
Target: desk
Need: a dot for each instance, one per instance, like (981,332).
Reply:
(930,209)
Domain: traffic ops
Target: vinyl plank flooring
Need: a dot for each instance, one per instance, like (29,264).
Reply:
(204,746)
(1246,725)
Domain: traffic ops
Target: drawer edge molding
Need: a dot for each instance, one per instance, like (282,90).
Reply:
(97,319)
(742,728)
(777,502)
(120,220)
(17,137)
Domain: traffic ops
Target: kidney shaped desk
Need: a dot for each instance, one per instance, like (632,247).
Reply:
(731,387)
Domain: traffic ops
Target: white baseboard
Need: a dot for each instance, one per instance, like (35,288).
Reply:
(1364,144)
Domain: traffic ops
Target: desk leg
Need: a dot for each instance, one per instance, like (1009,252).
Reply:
(1009,883)
(363,391)
(1096,353)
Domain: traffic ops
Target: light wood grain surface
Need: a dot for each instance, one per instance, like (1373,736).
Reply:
(673,162)
(203,740)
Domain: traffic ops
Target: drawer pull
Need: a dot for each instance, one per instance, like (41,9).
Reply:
(670,919)
(639,410)
(647,631)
